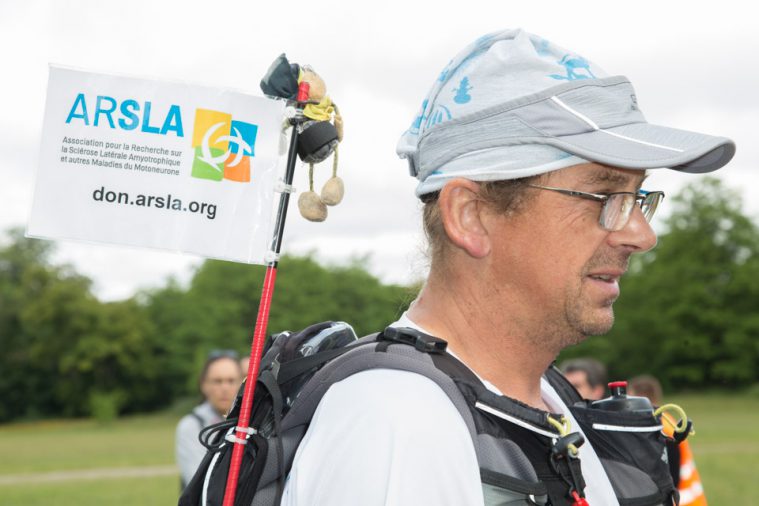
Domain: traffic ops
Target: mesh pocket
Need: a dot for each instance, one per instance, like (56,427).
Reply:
(632,450)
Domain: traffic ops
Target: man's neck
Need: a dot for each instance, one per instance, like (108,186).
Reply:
(489,339)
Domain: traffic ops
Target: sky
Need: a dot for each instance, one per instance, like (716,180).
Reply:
(693,65)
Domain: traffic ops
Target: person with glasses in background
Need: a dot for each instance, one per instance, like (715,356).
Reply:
(531,163)
(219,381)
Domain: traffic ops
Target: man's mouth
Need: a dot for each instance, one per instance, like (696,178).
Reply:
(607,283)
(605,277)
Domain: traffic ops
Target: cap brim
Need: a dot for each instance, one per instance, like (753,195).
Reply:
(647,146)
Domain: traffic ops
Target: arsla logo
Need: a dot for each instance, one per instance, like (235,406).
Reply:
(223,147)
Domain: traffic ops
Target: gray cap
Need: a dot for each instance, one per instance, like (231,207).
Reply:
(515,105)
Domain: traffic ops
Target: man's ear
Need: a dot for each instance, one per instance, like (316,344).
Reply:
(461,211)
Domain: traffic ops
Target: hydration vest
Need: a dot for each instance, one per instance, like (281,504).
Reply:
(524,458)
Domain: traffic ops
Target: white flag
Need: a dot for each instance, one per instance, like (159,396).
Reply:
(157,164)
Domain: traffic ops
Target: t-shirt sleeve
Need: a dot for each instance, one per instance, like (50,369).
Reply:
(385,438)
(189,451)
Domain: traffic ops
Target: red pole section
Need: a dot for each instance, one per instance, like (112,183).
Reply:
(259,336)
(256,349)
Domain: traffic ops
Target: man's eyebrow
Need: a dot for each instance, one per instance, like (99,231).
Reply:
(611,177)
(607,177)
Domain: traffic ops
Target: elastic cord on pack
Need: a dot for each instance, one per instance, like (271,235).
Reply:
(682,424)
(563,427)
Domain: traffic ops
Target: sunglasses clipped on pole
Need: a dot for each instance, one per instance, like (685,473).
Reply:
(616,207)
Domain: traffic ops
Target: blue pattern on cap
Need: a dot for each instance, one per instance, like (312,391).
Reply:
(462,92)
(573,64)
(469,82)
(439,114)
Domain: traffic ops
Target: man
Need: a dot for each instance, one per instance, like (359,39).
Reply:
(530,164)
(587,375)
(219,381)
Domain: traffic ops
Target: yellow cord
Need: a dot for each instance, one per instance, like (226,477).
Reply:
(563,427)
(680,412)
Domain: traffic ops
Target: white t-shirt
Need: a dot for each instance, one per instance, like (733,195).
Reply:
(393,438)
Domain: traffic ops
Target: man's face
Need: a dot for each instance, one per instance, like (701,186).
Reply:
(221,383)
(554,259)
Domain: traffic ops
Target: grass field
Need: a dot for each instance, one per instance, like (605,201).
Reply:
(113,492)
(84,444)
(726,447)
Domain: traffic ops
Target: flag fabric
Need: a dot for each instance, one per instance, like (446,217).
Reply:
(157,164)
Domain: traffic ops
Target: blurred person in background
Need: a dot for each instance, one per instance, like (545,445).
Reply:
(587,375)
(244,362)
(682,466)
(219,381)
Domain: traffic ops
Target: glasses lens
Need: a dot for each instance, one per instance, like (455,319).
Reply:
(650,203)
(616,210)
(214,354)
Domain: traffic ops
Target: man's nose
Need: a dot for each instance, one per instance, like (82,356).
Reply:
(637,235)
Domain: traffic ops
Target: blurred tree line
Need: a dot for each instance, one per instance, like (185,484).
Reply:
(687,314)
(65,353)
(689,309)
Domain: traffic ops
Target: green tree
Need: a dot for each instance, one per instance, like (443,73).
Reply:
(67,353)
(43,313)
(220,308)
(61,345)
(120,357)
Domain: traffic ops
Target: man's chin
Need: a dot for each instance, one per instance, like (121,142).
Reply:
(593,322)
(599,325)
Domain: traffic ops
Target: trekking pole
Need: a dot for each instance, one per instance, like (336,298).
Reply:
(259,335)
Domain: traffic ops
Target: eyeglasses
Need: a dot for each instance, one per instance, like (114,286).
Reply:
(617,206)
(214,354)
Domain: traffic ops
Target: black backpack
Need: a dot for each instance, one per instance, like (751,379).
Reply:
(520,463)
(288,363)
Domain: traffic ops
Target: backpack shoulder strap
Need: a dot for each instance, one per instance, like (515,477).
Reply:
(403,350)
(415,352)
(370,352)
(378,352)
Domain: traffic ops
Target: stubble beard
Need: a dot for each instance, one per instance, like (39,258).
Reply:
(581,317)
(575,328)
(585,326)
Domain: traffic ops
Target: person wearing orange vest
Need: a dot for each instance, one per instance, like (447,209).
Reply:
(682,465)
